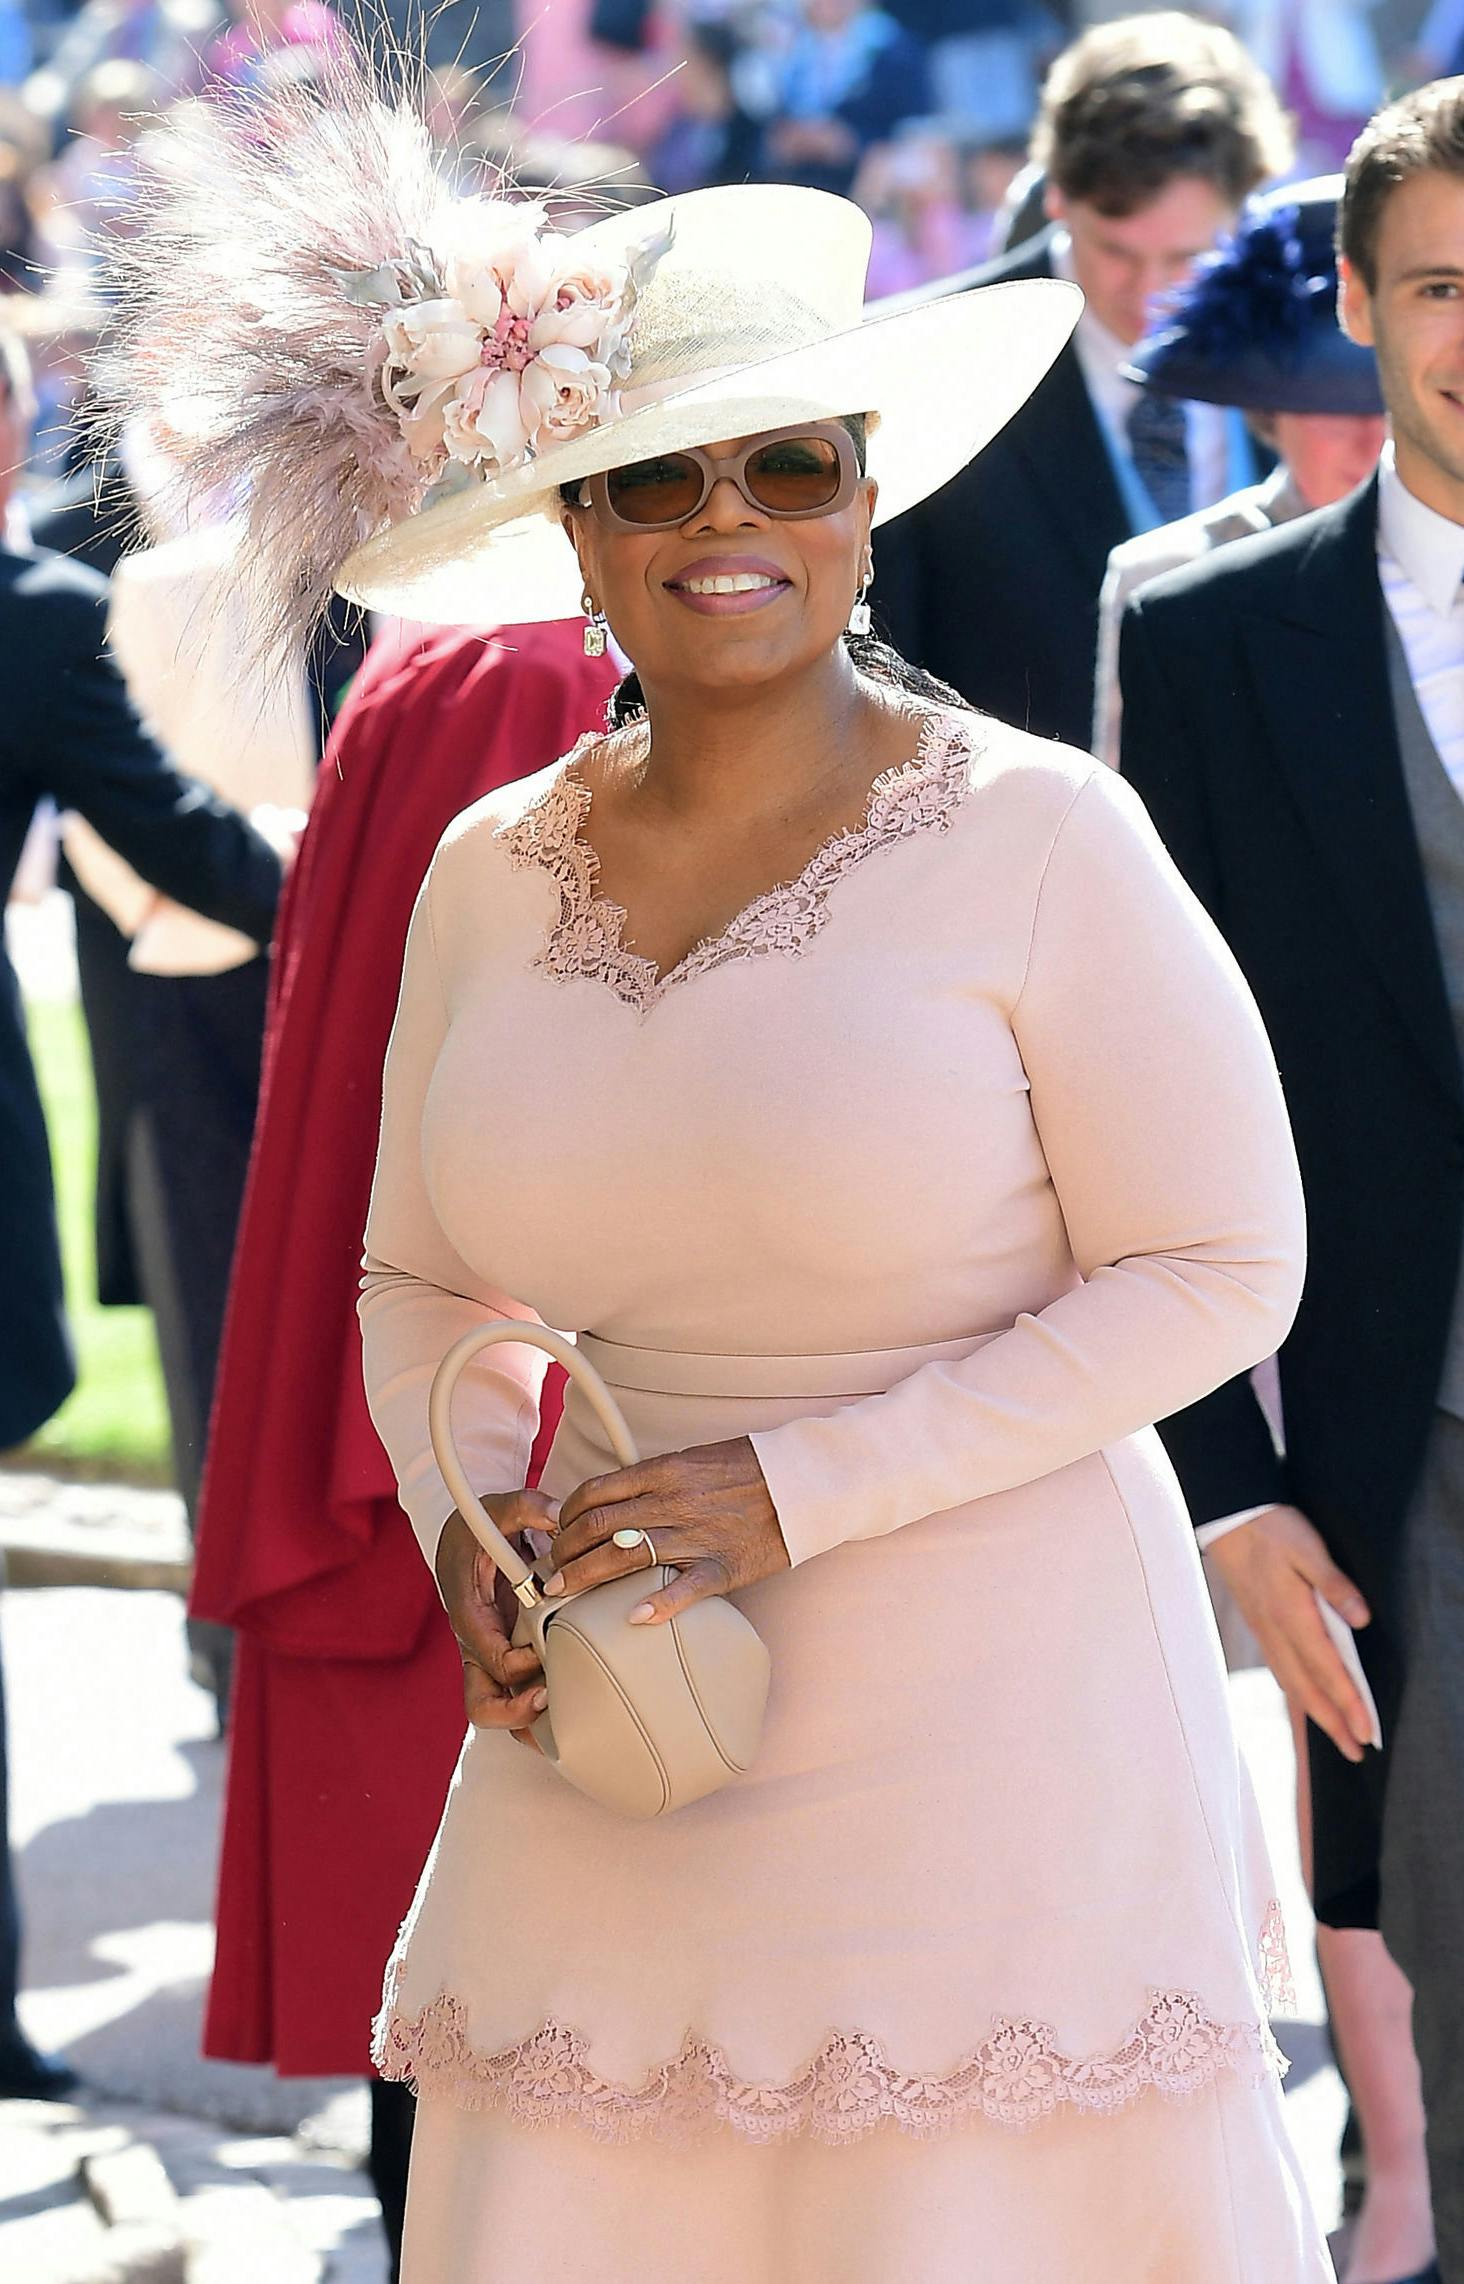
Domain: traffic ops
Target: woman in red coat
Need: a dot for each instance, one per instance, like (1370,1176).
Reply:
(347,1711)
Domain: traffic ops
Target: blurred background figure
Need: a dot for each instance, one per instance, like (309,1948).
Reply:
(1152,131)
(1257,330)
(164,37)
(984,61)
(71,735)
(91,186)
(709,138)
(592,69)
(24,145)
(302,33)
(1324,59)
(238,716)
(827,86)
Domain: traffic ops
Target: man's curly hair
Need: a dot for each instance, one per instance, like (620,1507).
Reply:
(1133,105)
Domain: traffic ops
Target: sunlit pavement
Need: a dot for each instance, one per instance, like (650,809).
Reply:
(115,1789)
(116,1780)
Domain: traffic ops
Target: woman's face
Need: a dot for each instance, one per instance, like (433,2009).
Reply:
(1329,453)
(797,580)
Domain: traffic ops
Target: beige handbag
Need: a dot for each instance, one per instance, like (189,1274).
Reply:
(642,1718)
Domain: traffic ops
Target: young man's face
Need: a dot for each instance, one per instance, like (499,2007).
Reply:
(1124,262)
(1413,315)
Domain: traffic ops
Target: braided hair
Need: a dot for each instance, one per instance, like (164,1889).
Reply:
(872,656)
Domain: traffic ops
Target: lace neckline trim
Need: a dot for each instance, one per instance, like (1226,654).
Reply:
(587,937)
(1017,2076)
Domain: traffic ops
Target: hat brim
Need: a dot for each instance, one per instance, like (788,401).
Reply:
(944,378)
(1320,371)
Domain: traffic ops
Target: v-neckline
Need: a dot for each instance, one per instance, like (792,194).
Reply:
(587,938)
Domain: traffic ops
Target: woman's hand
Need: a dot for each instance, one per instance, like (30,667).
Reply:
(708,1513)
(503,1688)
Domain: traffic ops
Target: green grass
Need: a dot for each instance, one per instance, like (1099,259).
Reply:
(116,1422)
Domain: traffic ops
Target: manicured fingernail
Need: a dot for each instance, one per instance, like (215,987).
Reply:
(541,1700)
(554,1585)
(642,1614)
(1357,1612)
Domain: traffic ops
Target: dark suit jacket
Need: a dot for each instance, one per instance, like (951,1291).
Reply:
(68,729)
(1258,726)
(993,582)
(93,518)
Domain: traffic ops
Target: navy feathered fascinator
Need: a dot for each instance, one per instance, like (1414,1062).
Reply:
(1256,326)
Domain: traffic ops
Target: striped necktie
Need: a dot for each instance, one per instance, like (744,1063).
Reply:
(1158,445)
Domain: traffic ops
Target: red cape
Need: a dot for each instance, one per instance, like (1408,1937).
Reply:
(292,1547)
(347,1711)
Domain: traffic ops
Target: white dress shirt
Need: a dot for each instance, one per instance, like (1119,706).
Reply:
(1421,568)
(1101,357)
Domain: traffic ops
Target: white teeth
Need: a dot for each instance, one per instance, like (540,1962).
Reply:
(733,583)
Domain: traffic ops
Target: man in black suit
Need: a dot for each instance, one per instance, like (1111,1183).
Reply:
(1294,717)
(67,729)
(1152,131)
(175,1061)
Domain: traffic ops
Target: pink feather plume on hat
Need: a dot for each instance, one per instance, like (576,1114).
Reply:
(312,325)
(234,342)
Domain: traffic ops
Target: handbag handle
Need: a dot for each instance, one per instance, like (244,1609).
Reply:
(520,1574)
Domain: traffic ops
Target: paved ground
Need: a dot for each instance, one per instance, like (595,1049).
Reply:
(116,1779)
(56,1533)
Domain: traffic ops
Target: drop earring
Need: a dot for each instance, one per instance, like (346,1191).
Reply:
(596,627)
(859,616)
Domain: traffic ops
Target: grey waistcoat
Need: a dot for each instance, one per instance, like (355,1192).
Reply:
(1438,820)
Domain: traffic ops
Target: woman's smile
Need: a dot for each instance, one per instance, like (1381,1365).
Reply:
(727,586)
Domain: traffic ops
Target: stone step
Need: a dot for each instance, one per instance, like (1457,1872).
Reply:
(108,2194)
(54,1532)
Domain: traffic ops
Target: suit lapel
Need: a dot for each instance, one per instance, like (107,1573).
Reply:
(1321,673)
(1061,445)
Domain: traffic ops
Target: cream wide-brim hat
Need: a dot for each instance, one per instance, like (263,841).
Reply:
(752,319)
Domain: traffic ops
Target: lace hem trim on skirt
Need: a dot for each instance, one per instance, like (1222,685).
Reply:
(1017,2076)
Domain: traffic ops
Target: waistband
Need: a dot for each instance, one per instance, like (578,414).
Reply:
(674,1372)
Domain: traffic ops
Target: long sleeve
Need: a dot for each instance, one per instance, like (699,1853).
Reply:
(1156,1099)
(80,738)
(418,1296)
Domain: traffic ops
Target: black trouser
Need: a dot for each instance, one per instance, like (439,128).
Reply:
(9,1909)
(393,2114)
(1423,1823)
(187,1158)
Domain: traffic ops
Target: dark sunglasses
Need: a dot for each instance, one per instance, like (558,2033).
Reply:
(791,472)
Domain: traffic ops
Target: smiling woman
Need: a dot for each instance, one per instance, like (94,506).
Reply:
(891,1216)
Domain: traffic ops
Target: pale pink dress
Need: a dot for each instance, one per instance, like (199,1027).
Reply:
(943,1172)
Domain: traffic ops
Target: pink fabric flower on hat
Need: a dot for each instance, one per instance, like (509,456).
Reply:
(566,389)
(523,345)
